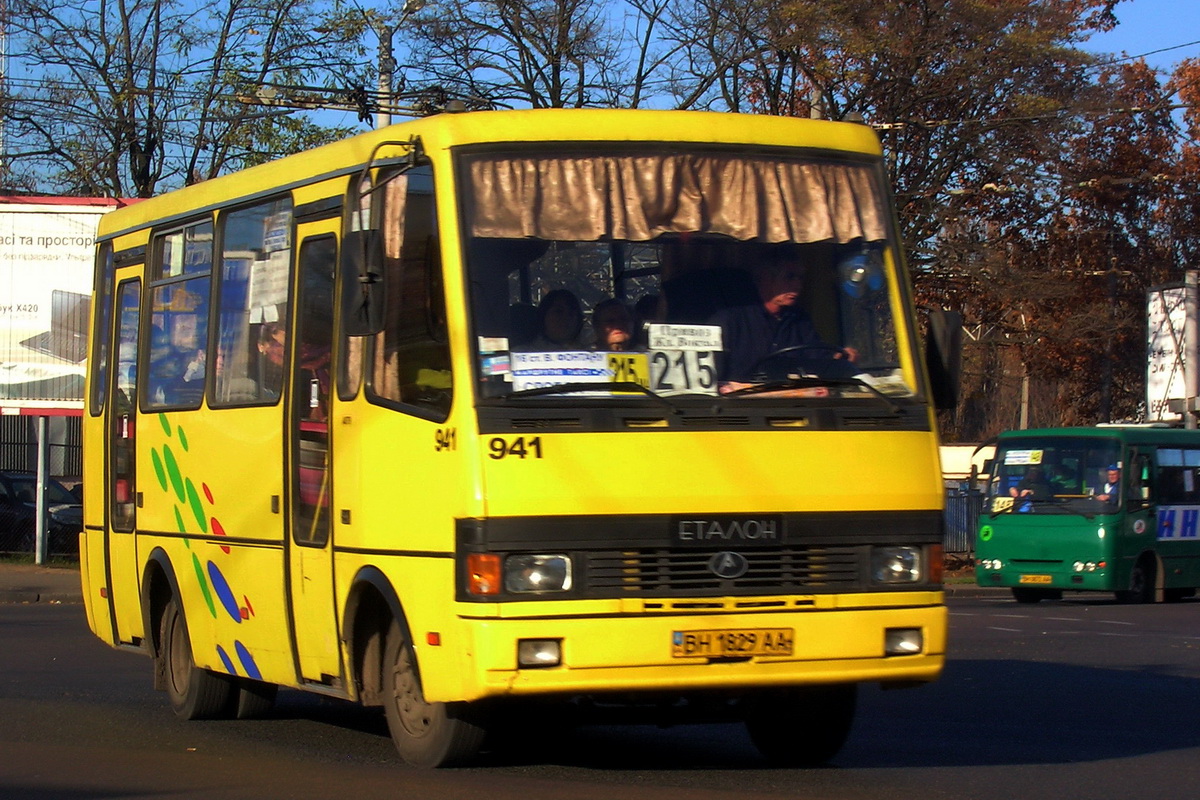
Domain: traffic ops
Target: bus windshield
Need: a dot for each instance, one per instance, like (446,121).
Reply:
(684,270)
(1042,475)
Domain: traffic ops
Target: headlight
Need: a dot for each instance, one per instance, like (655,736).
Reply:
(524,574)
(896,564)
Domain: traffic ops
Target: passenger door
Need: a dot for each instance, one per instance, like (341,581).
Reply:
(121,433)
(310,559)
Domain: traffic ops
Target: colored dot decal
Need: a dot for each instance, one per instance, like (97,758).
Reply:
(166,424)
(197,507)
(207,492)
(160,471)
(219,531)
(224,593)
(173,472)
(208,598)
(247,660)
(183,442)
(226,660)
(179,521)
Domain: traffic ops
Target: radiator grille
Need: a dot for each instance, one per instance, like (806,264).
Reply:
(668,572)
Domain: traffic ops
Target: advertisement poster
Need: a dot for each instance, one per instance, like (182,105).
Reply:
(1167,351)
(47,251)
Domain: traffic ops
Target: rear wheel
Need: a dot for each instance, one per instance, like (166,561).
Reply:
(195,693)
(426,734)
(1175,595)
(801,727)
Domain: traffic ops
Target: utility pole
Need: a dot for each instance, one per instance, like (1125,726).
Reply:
(387,70)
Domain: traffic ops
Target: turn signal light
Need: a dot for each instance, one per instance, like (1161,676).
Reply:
(483,573)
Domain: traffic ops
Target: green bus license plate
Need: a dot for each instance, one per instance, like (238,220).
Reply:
(1035,579)
(732,642)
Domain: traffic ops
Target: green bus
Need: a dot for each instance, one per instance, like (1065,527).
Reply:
(1111,508)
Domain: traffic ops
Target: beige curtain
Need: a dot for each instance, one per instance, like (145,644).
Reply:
(638,198)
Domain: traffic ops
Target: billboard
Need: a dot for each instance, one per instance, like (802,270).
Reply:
(1167,349)
(46,265)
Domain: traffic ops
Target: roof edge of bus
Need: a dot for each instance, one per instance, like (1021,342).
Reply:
(444,131)
(1083,430)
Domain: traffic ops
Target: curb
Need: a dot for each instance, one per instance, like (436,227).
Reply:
(30,596)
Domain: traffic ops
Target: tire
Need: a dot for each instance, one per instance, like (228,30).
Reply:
(194,693)
(425,734)
(254,698)
(1141,584)
(1025,595)
(803,727)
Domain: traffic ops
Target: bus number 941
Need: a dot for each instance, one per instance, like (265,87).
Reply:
(519,447)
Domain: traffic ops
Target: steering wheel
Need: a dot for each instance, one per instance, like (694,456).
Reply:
(828,360)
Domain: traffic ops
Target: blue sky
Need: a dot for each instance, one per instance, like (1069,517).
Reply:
(1153,25)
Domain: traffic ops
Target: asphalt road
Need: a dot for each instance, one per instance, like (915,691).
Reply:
(1075,699)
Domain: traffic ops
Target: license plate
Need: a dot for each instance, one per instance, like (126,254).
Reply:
(732,642)
(1035,579)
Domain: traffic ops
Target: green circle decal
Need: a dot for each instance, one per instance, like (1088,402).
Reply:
(985,533)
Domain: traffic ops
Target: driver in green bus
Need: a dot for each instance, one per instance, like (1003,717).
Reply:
(1108,492)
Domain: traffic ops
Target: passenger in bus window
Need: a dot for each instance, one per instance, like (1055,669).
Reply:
(1033,486)
(272,344)
(752,333)
(613,326)
(560,320)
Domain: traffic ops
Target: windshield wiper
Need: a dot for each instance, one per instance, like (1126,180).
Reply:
(575,388)
(811,382)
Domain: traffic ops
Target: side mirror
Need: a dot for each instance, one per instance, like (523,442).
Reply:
(943,356)
(364,290)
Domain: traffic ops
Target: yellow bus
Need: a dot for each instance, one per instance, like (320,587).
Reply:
(615,411)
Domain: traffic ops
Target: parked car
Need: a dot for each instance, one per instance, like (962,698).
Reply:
(18,514)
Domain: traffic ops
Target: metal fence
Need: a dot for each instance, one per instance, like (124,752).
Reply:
(18,445)
(963,507)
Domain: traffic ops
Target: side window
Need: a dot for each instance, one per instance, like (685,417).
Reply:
(1178,476)
(178,338)
(360,217)
(253,307)
(412,355)
(102,330)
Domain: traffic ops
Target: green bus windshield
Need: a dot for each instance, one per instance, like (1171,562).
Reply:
(1050,475)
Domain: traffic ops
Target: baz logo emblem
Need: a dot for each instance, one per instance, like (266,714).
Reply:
(728,565)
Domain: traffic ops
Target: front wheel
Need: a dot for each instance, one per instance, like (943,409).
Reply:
(801,727)
(426,734)
(1141,584)
(195,693)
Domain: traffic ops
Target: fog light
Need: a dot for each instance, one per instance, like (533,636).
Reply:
(539,652)
(902,641)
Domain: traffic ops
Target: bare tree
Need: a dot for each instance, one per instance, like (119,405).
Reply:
(541,53)
(123,97)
